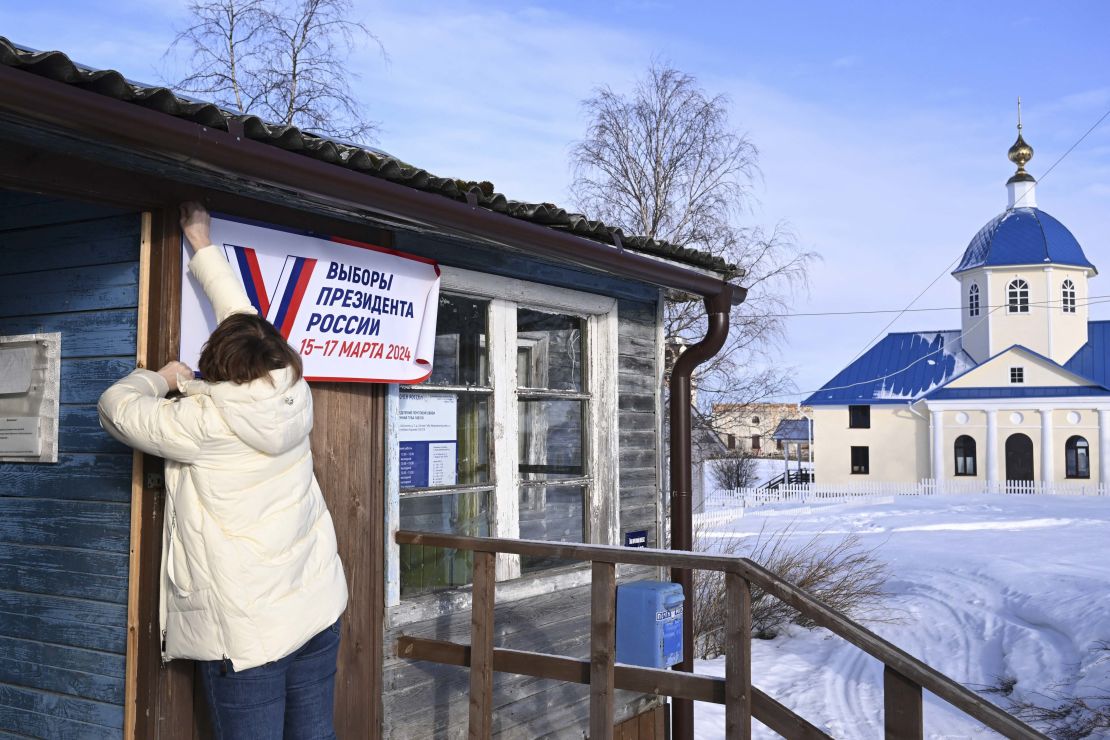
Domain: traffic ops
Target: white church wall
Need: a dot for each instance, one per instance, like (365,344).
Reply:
(976,329)
(897,442)
(1036,372)
(957,424)
(1027,329)
(1069,330)
(1046,328)
(1069,423)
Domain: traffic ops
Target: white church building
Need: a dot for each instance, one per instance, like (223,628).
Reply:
(1020,392)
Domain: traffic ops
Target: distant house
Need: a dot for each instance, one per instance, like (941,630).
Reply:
(1019,392)
(750,427)
(795,438)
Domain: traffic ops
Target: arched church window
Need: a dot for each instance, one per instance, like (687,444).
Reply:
(1077,457)
(1069,296)
(1017,296)
(973,300)
(965,455)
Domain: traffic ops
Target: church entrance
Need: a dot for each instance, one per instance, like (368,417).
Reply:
(1019,457)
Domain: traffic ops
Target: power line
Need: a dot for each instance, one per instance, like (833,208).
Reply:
(924,357)
(949,267)
(909,306)
(1090,301)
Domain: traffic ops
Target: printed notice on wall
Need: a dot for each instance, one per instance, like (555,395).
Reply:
(427,431)
(354,312)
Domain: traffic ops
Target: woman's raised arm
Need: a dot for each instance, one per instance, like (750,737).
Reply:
(210,266)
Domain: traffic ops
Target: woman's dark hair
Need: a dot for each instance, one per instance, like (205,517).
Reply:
(246,347)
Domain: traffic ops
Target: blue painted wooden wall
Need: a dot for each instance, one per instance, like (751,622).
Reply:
(64,528)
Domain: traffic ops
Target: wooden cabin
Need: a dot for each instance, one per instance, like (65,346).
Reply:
(548,349)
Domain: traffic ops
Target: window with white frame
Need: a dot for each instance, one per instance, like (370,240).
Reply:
(1017,296)
(1068,291)
(1017,375)
(531,373)
(973,300)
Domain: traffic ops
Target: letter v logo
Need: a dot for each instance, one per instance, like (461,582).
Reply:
(290,291)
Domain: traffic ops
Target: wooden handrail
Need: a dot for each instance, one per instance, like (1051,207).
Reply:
(904,676)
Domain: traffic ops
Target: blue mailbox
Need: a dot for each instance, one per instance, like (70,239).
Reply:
(649,623)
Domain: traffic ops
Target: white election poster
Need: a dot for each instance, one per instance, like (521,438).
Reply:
(354,312)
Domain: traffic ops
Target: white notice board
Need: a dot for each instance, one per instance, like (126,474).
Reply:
(427,429)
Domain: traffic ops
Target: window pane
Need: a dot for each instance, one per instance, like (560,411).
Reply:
(554,514)
(551,439)
(550,350)
(461,356)
(435,454)
(425,569)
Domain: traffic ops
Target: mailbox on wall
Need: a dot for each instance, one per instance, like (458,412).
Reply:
(30,370)
(649,623)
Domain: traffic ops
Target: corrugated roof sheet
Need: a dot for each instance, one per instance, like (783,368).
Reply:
(1093,358)
(1023,236)
(55,65)
(900,368)
(793,430)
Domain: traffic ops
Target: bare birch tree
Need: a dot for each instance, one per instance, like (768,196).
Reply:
(285,62)
(665,162)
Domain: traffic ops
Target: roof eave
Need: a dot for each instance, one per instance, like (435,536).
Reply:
(104,118)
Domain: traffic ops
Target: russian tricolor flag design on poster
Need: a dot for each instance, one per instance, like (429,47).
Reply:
(291,289)
(245,260)
(355,312)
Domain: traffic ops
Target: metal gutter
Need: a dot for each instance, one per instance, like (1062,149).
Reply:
(718,308)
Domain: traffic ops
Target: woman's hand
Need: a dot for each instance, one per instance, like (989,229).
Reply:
(196,224)
(174,372)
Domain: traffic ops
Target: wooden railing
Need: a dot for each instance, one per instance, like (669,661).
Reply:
(904,676)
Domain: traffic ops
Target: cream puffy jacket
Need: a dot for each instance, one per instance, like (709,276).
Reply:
(250,570)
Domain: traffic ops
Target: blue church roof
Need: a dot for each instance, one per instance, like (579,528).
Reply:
(1023,236)
(908,365)
(900,368)
(1093,358)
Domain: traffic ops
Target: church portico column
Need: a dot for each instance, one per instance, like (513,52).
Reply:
(936,427)
(1104,446)
(1046,446)
(992,449)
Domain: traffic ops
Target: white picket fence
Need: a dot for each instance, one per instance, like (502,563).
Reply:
(718,503)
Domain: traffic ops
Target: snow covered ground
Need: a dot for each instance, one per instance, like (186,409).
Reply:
(986,588)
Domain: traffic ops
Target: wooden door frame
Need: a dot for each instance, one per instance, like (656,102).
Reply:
(158,698)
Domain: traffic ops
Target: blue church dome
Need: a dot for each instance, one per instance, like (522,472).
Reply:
(1023,236)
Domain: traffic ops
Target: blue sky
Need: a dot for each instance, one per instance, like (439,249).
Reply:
(882,126)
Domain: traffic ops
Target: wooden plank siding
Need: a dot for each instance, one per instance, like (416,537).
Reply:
(431,701)
(64,528)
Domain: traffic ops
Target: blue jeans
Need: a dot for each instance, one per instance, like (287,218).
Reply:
(291,698)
